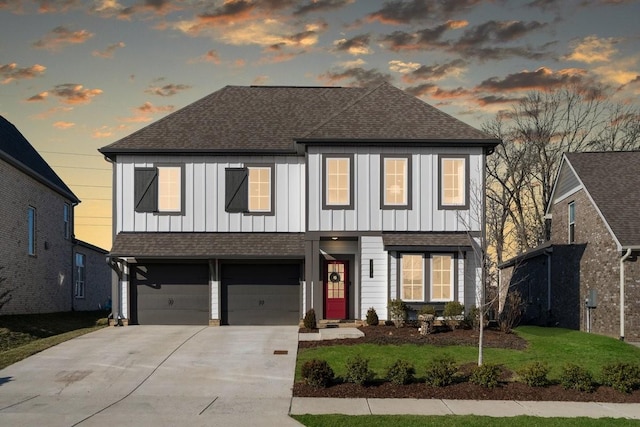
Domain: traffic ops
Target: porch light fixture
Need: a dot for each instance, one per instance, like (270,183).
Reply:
(334,238)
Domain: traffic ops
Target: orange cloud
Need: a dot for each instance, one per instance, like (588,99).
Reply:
(60,37)
(593,49)
(11,72)
(210,56)
(109,51)
(63,125)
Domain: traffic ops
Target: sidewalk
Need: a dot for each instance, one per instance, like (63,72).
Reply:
(491,408)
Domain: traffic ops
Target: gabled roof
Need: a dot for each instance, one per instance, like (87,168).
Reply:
(16,150)
(263,118)
(612,180)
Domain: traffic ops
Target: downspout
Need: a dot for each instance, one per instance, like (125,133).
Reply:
(74,243)
(622,260)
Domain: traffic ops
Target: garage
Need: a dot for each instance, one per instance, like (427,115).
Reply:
(169,294)
(261,294)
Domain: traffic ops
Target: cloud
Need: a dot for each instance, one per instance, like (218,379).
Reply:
(102,132)
(320,6)
(620,72)
(210,56)
(53,6)
(412,11)
(436,71)
(63,125)
(167,90)
(541,79)
(68,93)
(260,80)
(143,113)
(593,49)
(52,111)
(497,32)
(358,45)
(403,67)
(60,37)
(113,8)
(11,72)
(357,76)
(425,39)
(352,64)
(109,51)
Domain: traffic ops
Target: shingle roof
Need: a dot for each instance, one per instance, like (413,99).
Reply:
(209,245)
(237,118)
(17,151)
(421,240)
(613,181)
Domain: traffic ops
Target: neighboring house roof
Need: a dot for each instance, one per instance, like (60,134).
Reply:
(612,180)
(207,245)
(237,119)
(415,241)
(17,151)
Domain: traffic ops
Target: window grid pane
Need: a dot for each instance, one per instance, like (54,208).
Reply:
(259,189)
(395,181)
(441,277)
(412,278)
(337,181)
(453,180)
(335,289)
(169,188)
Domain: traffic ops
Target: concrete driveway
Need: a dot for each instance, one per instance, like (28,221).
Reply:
(156,376)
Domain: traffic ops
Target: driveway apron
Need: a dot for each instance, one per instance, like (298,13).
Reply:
(156,375)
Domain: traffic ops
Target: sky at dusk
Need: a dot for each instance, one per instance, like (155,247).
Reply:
(79,75)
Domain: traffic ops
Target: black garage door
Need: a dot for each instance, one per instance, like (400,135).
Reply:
(170,294)
(261,294)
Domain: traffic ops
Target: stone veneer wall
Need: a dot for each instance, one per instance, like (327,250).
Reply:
(598,269)
(40,283)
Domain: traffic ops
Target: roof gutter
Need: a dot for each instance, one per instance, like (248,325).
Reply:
(622,260)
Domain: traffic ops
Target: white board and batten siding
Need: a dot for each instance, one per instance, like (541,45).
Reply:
(204,196)
(367,214)
(373,290)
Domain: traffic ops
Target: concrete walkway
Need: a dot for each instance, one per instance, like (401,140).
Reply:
(491,408)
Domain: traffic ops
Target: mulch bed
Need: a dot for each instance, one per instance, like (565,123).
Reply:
(506,390)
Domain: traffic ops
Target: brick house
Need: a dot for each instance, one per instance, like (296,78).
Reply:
(587,276)
(254,204)
(46,269)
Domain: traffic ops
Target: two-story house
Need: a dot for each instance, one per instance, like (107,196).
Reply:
(587,276)
(44,267)
(254,204)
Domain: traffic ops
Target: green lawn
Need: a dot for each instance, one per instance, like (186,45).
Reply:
(455,420)
(24,335)
(555,346)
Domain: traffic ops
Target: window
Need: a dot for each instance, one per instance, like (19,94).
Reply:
(31,230)
(441,277)
(250,189)
(338,182)
(453,182)
(80,275)
(158,189)
(169,189)
(572,222)
(66,215)
(412,278)
(395,182)
(260,189)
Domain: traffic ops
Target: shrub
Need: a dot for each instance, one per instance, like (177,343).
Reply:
(534,374)
(372,317)
(317,373)
(401,372)
(512,311)
(486,375)
(576,378)
(398,312)
(309,320)
(358,371)
(453,308)
(623,377)
(440,372)
(427,309)
(472,320)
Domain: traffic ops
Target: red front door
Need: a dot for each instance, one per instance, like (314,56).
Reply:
(336,287)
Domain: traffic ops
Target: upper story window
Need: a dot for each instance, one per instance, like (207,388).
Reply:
(337,174)
(31,230)
(396,184)
(66,217)
(80,261)
(454,182)
(250,190)
(572,222)
(159,189)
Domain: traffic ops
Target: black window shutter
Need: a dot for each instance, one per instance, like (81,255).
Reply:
(146,190)
(236,190)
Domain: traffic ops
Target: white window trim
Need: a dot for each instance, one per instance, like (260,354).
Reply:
(465,179)
(451,275)
(402,276)
(350,183)
(407,182)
